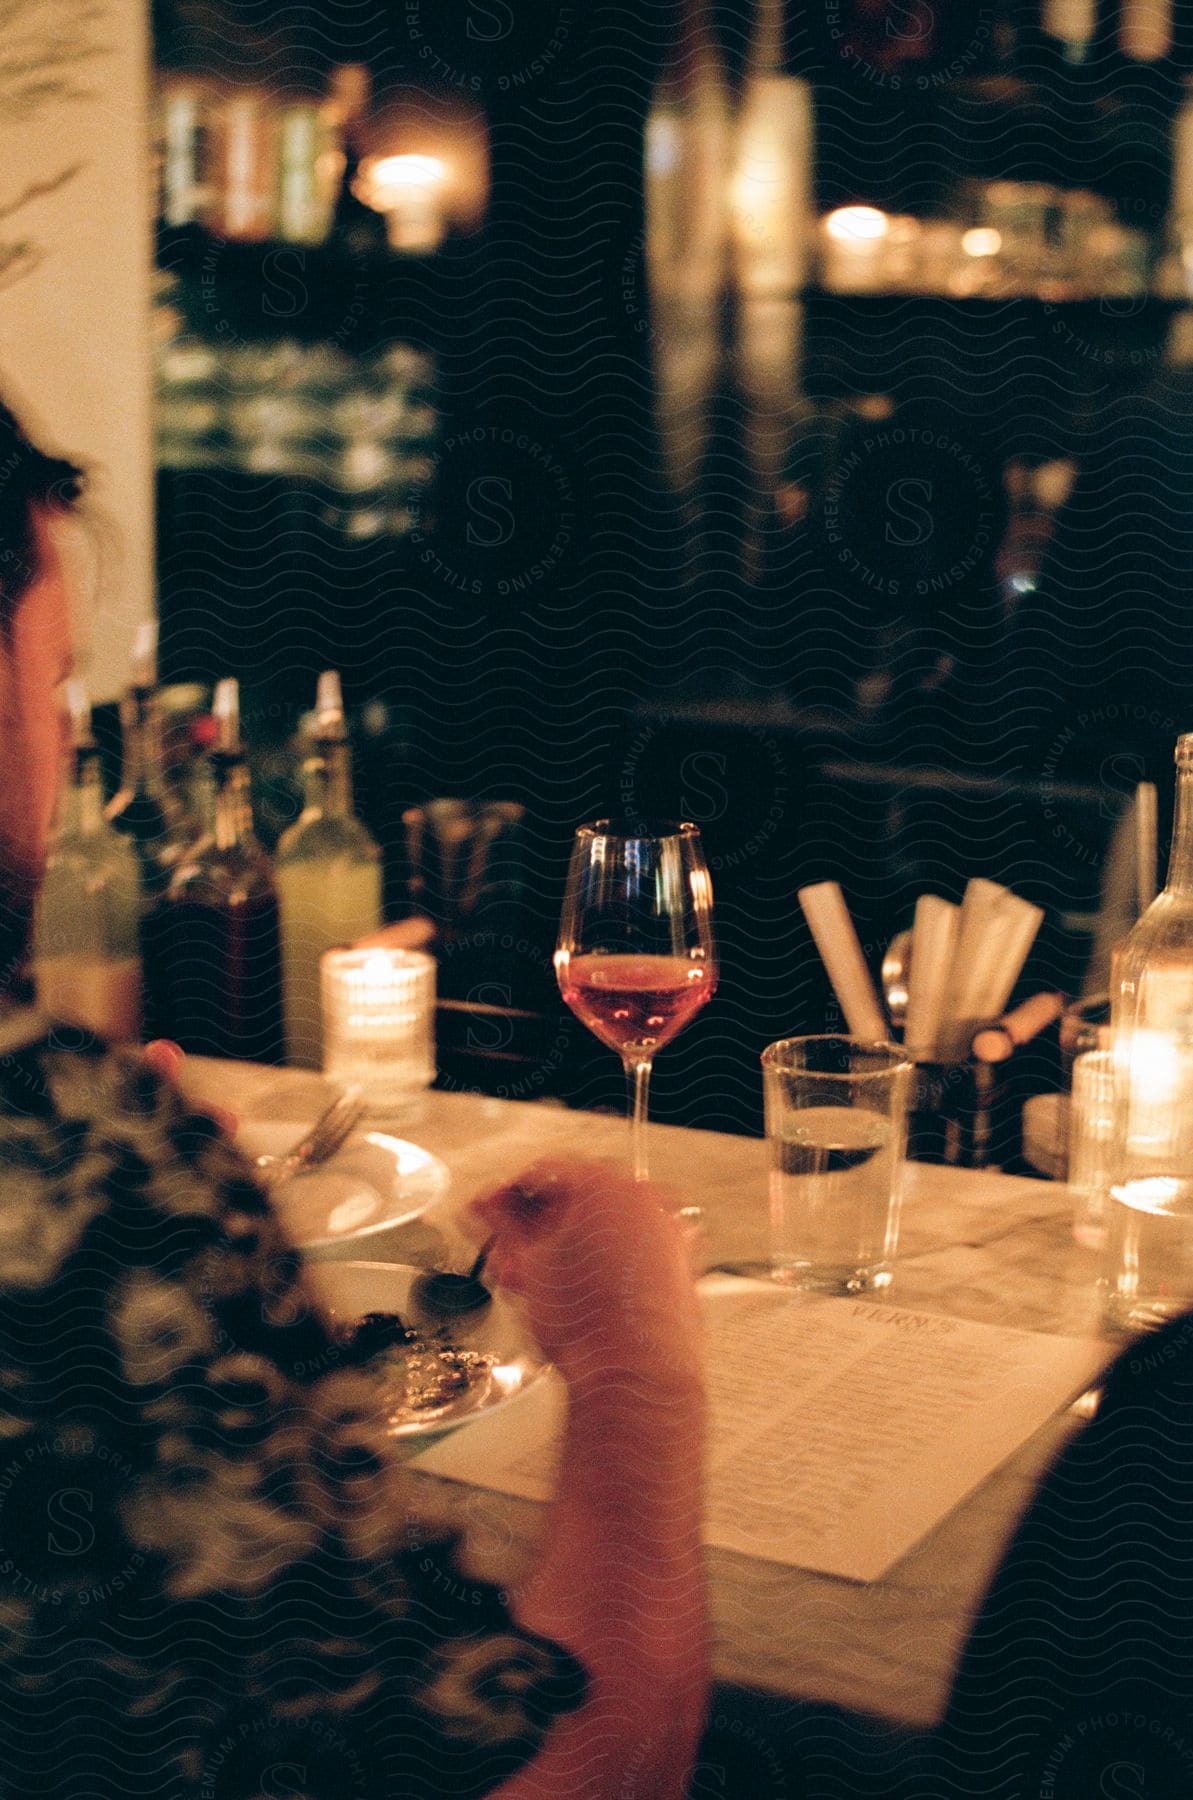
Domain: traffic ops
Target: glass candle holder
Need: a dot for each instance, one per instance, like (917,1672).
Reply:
(379,1022)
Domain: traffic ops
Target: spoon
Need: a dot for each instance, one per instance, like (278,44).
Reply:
(896,972)
(444,1292)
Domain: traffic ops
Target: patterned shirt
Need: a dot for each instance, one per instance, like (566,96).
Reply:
(213,1584)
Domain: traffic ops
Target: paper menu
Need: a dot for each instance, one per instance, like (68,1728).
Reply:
(840,1431)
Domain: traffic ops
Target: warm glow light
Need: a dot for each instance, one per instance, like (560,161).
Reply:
(378,1022)
(1153,1194)
(857,224)
(409,190)
(392,176)
(701,884)
(1155,1066)
(983,240)
(378,968)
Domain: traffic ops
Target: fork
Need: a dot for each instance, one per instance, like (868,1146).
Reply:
(321,1142)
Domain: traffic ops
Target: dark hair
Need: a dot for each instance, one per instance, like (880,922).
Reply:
(28,477)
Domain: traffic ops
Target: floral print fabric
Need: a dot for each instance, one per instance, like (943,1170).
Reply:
(212,1579)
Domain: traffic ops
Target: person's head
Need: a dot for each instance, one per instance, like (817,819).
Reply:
(35,657)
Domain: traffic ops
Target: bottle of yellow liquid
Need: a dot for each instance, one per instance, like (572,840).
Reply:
(328,876)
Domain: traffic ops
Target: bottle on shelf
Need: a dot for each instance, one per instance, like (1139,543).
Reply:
(1072,24)
(86,952)
(328,875)
(213,941)
(771,192)
(1149,1239)
(1180,201)
(356,228)
(184,152)
(247,141)
(687,150)
(1145,29)
(310,169)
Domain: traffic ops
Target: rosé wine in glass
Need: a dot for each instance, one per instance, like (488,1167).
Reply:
(636,958)
(632,1001)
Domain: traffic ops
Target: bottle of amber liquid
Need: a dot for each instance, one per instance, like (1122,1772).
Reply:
(213,938)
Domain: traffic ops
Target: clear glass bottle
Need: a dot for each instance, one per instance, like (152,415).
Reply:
(143,808)
(328,876)
(213,942)
(86,951)
(1149,1238)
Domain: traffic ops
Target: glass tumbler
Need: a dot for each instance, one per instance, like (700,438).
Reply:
(1092,1145)
(836,1126)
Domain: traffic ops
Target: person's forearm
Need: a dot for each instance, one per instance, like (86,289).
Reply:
(620,1584)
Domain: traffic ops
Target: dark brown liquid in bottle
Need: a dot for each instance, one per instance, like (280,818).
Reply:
(216,975)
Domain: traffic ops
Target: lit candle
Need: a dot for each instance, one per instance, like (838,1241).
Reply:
(855,249)
(378,1022)
(409,191)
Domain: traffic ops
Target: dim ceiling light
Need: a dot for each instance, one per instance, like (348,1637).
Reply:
(857,224)
(983,240)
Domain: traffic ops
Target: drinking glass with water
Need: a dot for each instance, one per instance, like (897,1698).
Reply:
(836,1124)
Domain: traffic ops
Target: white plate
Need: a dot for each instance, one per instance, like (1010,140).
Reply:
(498,1332)
(374,1183)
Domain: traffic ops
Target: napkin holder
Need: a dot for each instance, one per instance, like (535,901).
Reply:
(956,1116)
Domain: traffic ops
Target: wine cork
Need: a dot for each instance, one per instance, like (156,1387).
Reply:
(996,1042)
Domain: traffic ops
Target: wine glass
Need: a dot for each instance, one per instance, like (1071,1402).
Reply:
(636,957)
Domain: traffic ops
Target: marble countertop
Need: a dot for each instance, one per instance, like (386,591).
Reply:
(981,1246)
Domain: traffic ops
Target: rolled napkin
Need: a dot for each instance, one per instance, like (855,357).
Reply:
(933,941)
(987,963)
(833,932)
(959,1007)
(1015,925)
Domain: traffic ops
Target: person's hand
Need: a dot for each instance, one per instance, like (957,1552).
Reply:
(414,933)
(602,1268)
(167,1059)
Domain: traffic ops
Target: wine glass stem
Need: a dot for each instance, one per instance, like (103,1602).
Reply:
(637,1071)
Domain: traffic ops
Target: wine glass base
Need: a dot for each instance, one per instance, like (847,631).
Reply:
(830,1283)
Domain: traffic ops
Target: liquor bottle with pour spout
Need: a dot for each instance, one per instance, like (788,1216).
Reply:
(143,808)
(214,934)
(86,951)
(328,875)
(1148,1275)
